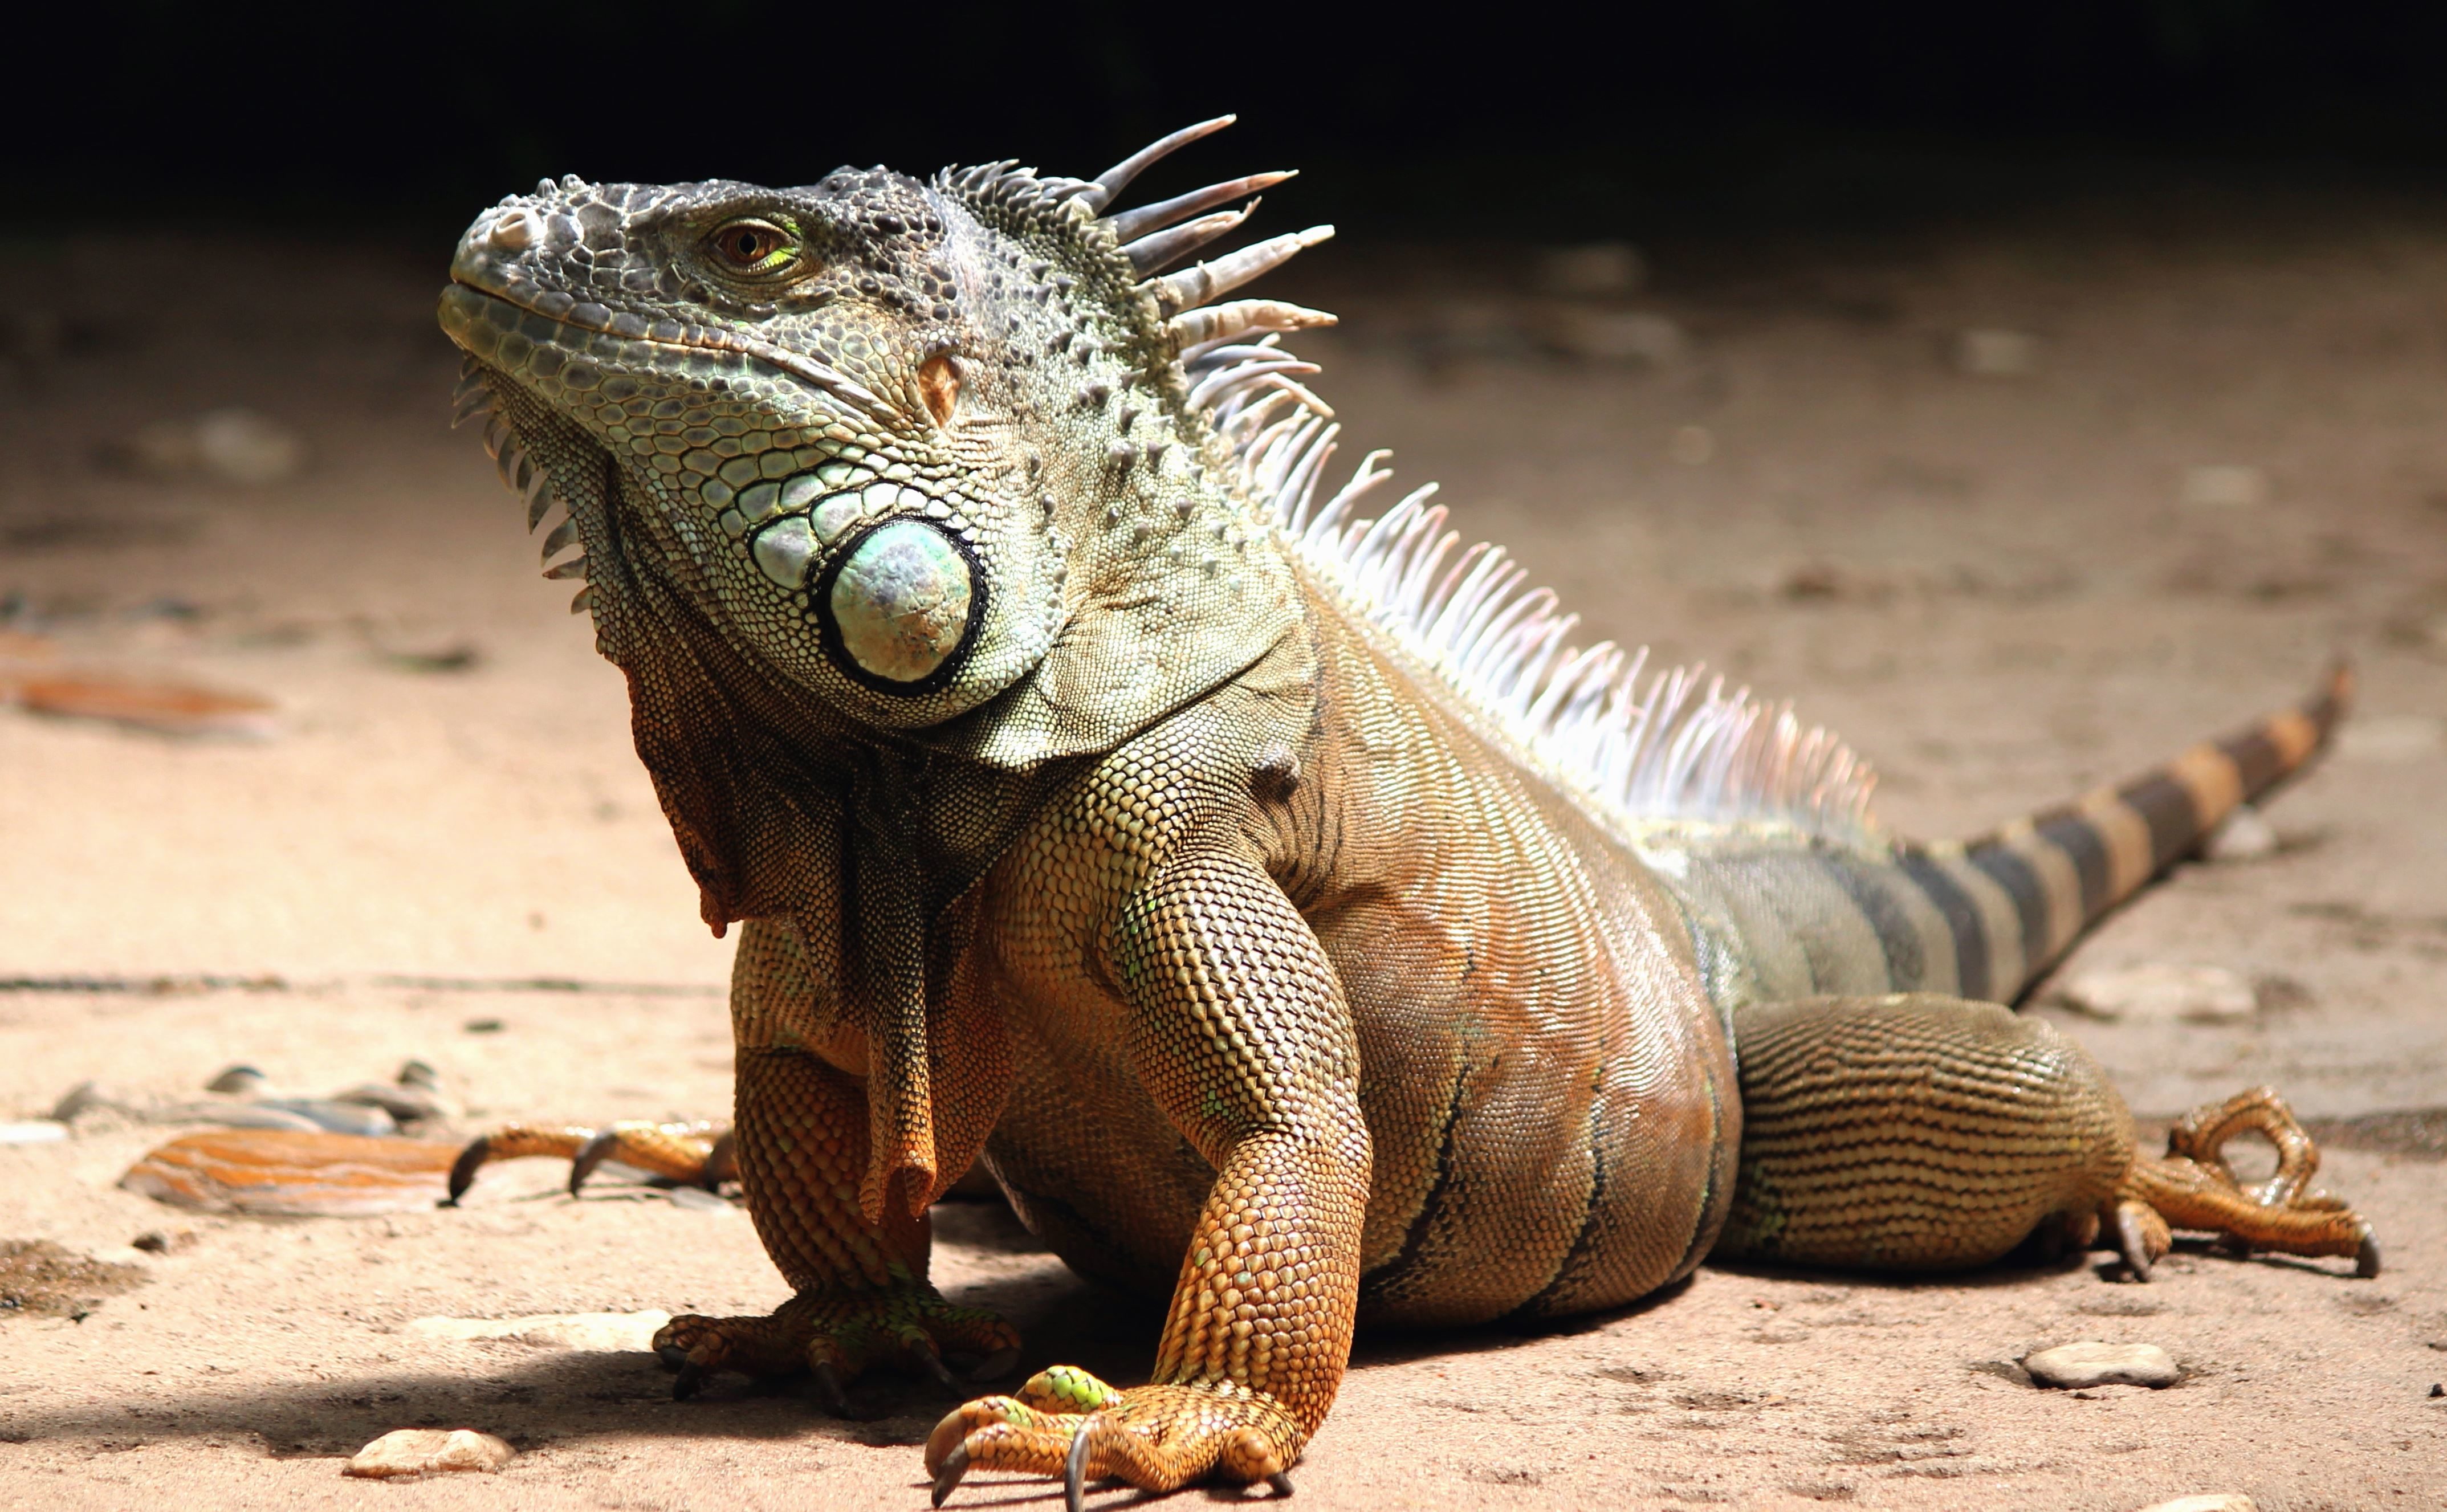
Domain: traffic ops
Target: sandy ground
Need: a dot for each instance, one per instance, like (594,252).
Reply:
(1992,584)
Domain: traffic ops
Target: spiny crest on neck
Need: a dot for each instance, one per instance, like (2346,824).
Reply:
(1671,745)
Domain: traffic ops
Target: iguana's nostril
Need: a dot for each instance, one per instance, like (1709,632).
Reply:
(514,231)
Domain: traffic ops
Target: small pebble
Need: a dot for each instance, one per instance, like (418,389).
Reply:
(2092,1363)
(2243,836)
(482,1026)
(238,1081)
(1995,353)
(2159,991)
(33,1131)
(429,1451)
(2208,1501)
(405,1105)
(2225,485)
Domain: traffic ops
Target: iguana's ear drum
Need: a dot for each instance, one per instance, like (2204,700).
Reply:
(901,609)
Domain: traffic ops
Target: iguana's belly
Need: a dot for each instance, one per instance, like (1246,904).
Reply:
(1549,1092)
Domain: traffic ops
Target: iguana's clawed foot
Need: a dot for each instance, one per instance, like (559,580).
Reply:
(681,1154)
(2193,1187)
(1065,1422)
(835,1336)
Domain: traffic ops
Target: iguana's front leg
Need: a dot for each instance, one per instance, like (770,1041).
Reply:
(1237,1027)
(862,1289)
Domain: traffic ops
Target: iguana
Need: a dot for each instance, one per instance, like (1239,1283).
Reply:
(1272,897)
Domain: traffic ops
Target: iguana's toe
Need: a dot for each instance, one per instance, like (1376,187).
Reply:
(689,1154)
(1064,1422)
(835,1338)
(2193,1187)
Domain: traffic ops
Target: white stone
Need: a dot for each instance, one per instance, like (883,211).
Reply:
(2225,485)
(1990,353)
(429,1451)
(2092,1363)
(2206,1501)
(2161,992)
(2244,836)
(604,1332)
(33,1131)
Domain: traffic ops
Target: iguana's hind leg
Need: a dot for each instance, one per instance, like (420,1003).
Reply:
(1920,1132)
(696,1154)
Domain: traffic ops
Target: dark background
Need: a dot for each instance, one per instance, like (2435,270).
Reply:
(1505,121)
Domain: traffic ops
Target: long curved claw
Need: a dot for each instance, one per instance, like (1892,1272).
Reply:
(509,1143)
(828,1388)
(722,1162)
(590,1155)
(2366,1258)
(684,1384)
(2132,1239)
(679,1154)
(462,1170)
(995,1366)
(1280,1482)
(947,1479)
(1074,1467)
(920,1346)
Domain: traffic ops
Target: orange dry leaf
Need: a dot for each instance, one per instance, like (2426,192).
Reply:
(294,1172)
(170,708)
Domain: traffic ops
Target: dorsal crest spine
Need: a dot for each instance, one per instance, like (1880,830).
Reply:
(1672,744)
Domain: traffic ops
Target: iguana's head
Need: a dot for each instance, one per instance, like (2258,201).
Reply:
(896,441)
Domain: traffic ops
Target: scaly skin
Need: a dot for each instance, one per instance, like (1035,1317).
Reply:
(1084,817)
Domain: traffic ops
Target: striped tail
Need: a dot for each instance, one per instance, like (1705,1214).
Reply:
(2062,870)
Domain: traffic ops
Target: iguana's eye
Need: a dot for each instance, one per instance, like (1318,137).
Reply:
(754,246)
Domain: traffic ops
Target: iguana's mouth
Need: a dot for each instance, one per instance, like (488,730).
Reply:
(477,313)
